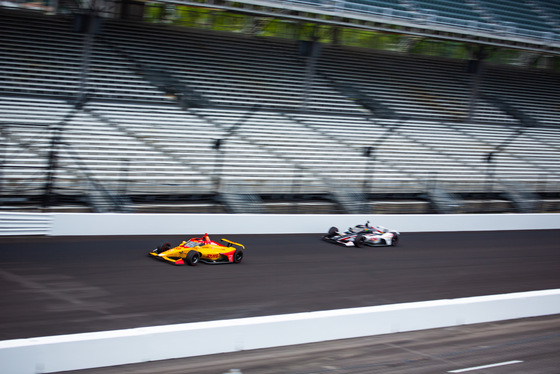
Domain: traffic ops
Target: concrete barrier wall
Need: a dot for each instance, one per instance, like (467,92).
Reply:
(86,224)
(67,224)
(110,348)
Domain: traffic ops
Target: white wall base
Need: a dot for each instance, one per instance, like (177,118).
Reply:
(110,348)
(66,224)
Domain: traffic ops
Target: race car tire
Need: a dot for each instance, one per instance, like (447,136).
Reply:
(395,240)
(164,246)
(332,232)
(238,256)
(359,240)
(192,258)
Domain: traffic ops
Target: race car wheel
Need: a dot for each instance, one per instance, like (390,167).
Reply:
(359,241)
(164,246)
(395,240)
(192,258)
(238,256)
(332,232)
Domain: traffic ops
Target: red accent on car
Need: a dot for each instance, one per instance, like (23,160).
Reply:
(180,262)
(229,255)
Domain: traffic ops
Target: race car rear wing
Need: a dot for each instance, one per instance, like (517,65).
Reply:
(234,243)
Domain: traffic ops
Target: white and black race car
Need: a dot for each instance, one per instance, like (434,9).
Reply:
(361,235)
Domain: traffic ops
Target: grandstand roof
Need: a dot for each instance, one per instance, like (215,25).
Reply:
(530,26)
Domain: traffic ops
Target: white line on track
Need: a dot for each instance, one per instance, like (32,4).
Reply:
(485,366)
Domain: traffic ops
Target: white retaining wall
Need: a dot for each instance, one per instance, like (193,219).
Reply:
(110,348)
(86,224)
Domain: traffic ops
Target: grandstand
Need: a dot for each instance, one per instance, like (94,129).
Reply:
(152,117)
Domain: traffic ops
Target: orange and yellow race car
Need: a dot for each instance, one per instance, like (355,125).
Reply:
(199,250)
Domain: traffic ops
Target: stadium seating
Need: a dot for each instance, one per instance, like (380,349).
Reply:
(519,15)
(549,10)
(457,12)
(390,8)
(535,19)
(135,135)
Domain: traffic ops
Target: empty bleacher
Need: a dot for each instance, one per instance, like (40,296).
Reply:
(44,57)
(533,19)
(519,16)
(227,69)
(279,131)
(456,13)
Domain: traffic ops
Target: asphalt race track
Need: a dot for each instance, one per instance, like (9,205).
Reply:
(53,285)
